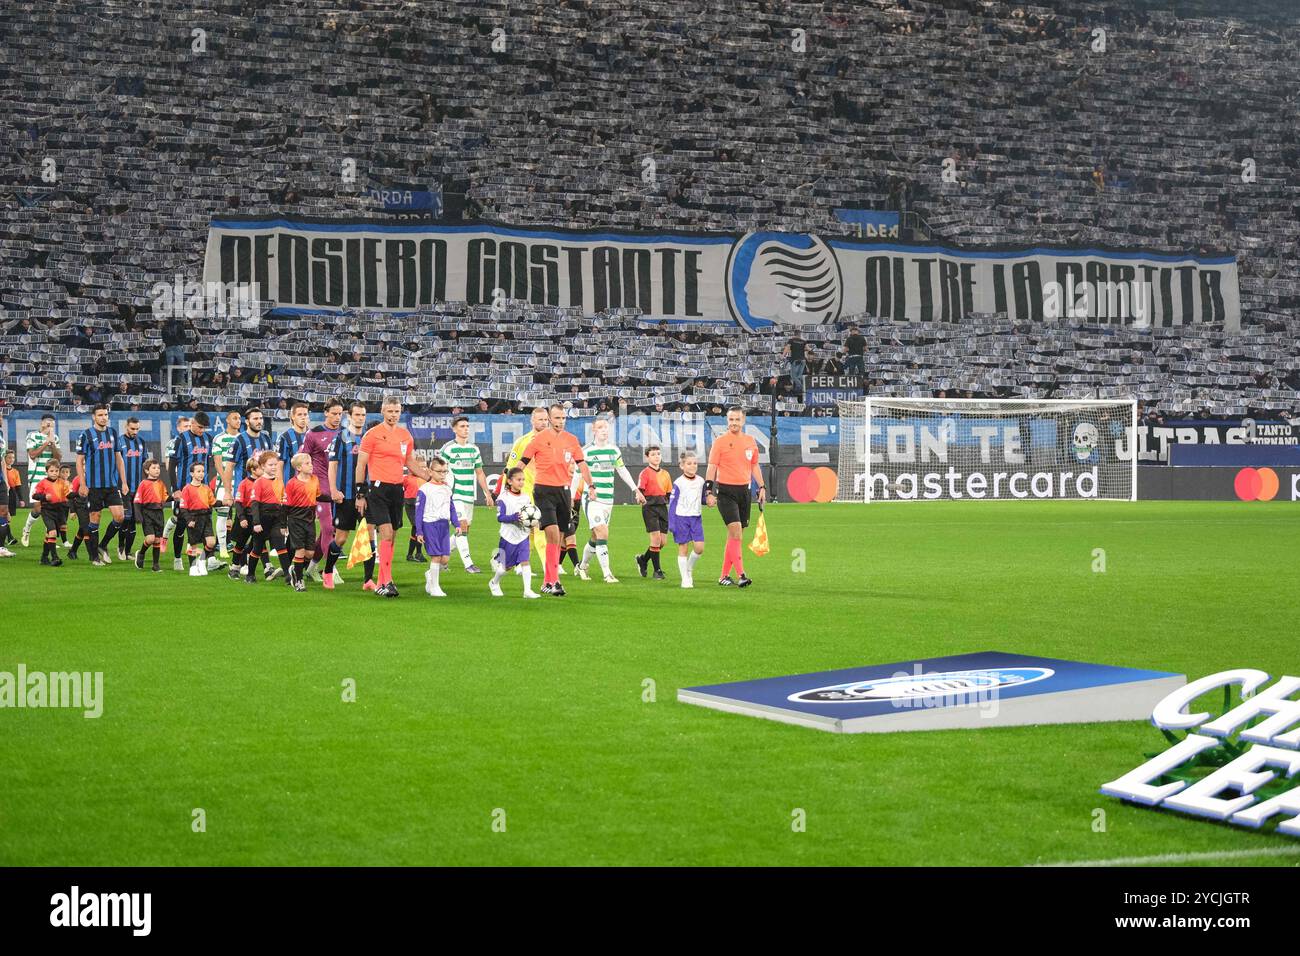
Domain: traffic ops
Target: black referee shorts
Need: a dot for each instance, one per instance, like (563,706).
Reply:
(100,498)
(384,504)
(556,507)
(345,515)
(733,504)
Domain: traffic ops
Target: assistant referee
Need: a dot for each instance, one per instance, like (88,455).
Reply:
(733,461)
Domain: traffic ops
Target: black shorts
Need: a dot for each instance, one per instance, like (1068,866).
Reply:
(55,516)
(13,500)
(655,516)
(345,515)
(100,498)
(272,526)
(302,531)
(150,520)
(238,533)
(384,504)
(408,508)
(556,505)
(202,527)
(733,503)
(78,507)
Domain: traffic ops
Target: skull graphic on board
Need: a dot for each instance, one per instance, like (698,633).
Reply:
(1085,440)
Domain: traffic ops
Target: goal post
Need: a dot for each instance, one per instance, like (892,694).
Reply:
(925,449)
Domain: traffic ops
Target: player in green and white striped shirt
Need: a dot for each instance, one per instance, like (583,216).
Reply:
(604,460)
(223,443)
(42,445)
(466,465)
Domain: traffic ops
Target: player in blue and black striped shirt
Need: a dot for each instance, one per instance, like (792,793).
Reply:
(103,476)
(291,438)
(343,492)
(131,447)
(190,448)
(251,441)
(182,426)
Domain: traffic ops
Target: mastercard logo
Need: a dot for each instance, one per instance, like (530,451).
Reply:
(1256,484)
(812,484)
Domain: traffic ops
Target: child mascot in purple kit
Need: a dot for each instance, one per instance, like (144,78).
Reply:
(435,513)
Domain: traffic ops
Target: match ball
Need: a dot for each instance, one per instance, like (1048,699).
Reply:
(530,515)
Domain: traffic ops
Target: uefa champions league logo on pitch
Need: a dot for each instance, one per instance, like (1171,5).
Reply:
(926,690)
(783,278)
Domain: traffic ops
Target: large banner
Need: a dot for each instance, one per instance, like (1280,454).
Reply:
(756,280)
(823,393)
(1156,441)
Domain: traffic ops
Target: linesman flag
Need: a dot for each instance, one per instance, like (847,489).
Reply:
(759,544)
(360,550)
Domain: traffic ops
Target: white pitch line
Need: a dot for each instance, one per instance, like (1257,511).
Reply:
(1182,857)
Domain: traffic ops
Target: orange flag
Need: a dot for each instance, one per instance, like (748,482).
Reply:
(759,545)
(361,550)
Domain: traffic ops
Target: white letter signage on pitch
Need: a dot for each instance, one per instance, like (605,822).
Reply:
(1228,793)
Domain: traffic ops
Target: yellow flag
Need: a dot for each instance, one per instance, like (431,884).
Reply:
(361,550)
(759,545)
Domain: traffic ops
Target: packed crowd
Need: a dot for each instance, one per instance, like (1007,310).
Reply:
(124,136)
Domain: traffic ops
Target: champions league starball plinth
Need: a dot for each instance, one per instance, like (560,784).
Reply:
(989,689)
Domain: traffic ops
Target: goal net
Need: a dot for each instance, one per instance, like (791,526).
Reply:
(934,448)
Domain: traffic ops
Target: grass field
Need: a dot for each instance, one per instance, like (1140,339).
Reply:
(228,698)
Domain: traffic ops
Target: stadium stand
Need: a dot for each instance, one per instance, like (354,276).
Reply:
(1053,143)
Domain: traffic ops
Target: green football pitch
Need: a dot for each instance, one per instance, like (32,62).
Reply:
(492,731)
